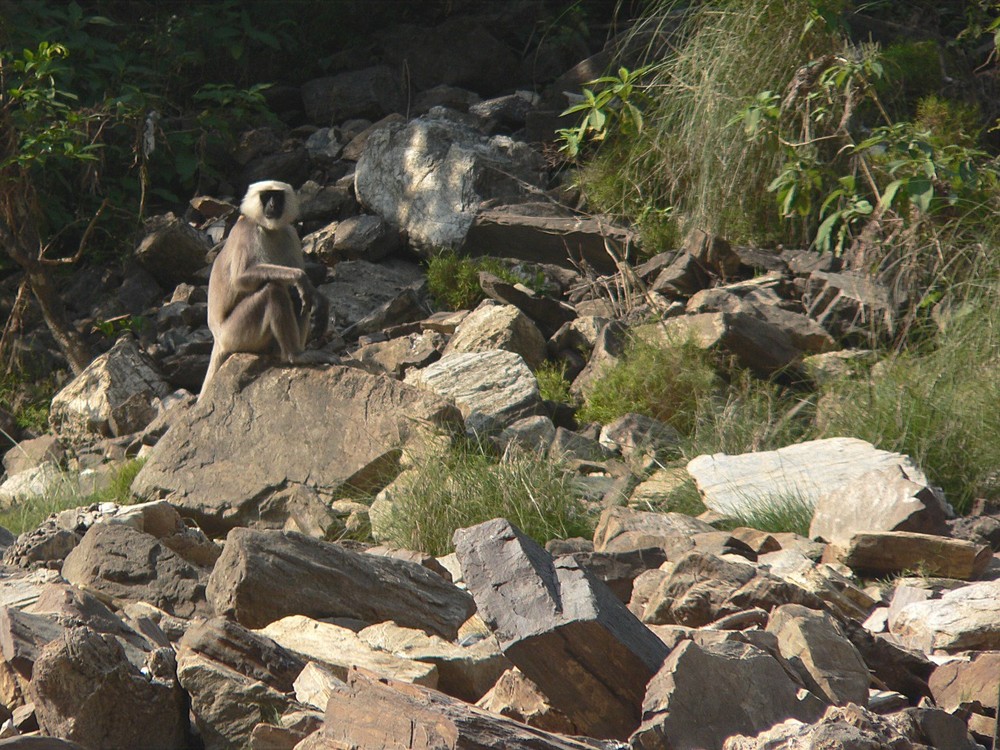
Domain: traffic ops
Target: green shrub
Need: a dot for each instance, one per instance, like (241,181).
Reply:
(938,407)
(665,382)
(690,156)
(467,486)
(453,280)
(552,382)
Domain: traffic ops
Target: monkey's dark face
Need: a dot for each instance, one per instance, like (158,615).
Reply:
(273,203)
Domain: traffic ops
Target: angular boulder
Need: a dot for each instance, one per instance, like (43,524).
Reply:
(890,552)
(229,461)
(429,175)
(547,612)
(236,679)
(821,654)
(117,394)
(705,694)
(263,576)
(964,619)
(492,388)
(122,564)
(85,690)
(881,500)
(492,326)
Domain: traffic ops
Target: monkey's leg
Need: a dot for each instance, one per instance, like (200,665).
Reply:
(262,317)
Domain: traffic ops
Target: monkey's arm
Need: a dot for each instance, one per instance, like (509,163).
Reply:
(253,277)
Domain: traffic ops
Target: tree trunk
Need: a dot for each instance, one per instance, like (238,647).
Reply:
(69,340)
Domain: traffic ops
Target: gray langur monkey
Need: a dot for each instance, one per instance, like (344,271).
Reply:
(251,307)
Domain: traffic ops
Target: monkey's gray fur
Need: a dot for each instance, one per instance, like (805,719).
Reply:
(250,304)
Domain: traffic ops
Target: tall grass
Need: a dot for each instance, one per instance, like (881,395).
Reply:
(938,405)
(467,486)
(31,512)
(668,382)
(691,156)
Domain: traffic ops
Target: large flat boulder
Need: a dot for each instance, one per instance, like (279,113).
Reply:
(262,434)
(802,472)
(265,575)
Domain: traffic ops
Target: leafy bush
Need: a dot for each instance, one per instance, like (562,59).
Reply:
(453,280)
(552,382)
(467,486)
(666,382)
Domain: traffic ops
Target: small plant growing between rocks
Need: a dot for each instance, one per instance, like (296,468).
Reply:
(453,280)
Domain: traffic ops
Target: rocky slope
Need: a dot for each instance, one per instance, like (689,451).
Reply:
(217,614)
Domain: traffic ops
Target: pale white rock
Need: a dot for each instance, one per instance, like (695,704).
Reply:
(314,685)
(118,393)
(967,618)
(800,472)
(341,649)
(881,500)
(494,326)
(38,481)
(492,389)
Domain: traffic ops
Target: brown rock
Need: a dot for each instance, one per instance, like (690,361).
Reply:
(222,477)
(887,552)
(382,714)
(84,689)
(118,563)
(821,654)
(704,694)
(236,679)
(518,698)
(263,576)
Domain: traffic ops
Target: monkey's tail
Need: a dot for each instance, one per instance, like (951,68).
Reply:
(214,362)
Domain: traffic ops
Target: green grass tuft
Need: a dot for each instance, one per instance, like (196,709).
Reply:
(665,382)
(30,513)
(467,486)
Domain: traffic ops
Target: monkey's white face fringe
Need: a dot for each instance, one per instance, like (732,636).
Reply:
(251,206)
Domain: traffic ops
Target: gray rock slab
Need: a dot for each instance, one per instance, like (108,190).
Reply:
(229,461)
(704,694)
(263,576)
(493,389)
(803,472)
(549,612)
